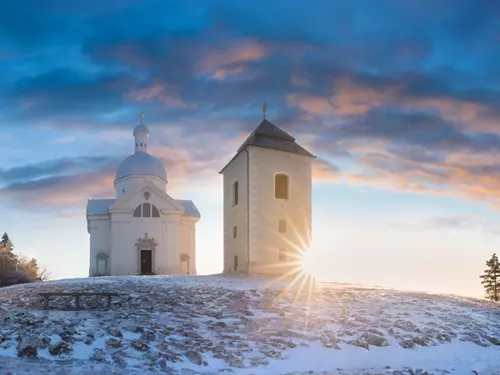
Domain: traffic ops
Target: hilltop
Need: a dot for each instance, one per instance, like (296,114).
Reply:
(230,324)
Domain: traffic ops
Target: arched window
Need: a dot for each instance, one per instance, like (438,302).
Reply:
(235,193)
(281,186)
(146,210)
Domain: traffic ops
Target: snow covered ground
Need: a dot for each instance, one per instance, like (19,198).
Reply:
(219,324)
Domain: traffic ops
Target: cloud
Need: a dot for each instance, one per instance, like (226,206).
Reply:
(461,222)
(235,52)
(158,91)
(392,89)
(324,171)
(67,139)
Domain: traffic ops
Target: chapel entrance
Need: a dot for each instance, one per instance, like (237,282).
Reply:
(146,262)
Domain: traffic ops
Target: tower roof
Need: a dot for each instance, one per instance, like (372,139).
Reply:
(267,135)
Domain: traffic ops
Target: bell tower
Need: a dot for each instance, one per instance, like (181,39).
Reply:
(267,203)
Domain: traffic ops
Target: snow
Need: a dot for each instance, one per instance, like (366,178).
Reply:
(210,324)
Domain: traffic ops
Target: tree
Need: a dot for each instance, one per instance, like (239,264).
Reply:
(491,279)
(7,257)
(31,268)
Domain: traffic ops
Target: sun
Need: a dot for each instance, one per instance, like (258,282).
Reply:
(308,263)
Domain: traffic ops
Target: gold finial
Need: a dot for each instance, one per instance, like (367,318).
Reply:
(142,116)
(264,109)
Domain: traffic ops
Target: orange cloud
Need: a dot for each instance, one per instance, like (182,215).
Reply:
(324,171)
(158,91)
(300,82)
(237,52)
(222,73)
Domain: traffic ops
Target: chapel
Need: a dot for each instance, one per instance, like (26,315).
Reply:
(267,203)
(143,230)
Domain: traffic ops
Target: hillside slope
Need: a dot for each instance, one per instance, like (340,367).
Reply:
(214,324)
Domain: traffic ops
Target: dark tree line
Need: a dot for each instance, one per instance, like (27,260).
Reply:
(15,269)
(491,279)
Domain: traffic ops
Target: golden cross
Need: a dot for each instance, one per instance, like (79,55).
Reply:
(142,115)
(264,110)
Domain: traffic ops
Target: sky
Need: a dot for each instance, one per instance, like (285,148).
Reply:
(399,100)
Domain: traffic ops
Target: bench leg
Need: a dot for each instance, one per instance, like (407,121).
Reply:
(45,302)
(109,302)
(77,302)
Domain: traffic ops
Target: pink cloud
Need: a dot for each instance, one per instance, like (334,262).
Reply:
(221,74)
(240,51)
(160,92)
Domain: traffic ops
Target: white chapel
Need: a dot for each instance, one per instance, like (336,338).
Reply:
(143,230)
(267,203)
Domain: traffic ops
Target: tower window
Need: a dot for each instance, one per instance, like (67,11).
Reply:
(235,231)
(281,186)
(282,255)
(282,226)
(235,263)
(235,193)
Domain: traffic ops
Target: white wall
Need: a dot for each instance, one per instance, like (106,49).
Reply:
(188,244)
(237,215)
(266,211)
(132,183)
(99,240)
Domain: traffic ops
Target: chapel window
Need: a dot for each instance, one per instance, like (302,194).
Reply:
(235,231)
(281,186)
(235,193)
(146,210)
(235,263)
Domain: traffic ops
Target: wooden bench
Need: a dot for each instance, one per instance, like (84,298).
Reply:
(77,296)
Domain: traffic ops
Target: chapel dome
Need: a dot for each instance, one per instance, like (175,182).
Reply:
(141,164)
(141,129)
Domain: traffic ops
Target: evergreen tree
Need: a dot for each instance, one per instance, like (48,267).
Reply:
(491,279)
(7,257)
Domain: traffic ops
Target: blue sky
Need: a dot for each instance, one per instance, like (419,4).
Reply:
(399,100)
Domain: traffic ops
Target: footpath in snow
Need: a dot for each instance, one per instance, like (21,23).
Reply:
(230,324)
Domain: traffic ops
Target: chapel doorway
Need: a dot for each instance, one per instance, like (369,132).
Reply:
(146,262)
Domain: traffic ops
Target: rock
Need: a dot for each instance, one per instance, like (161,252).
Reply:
(494,340)
(98,355)
(61,347)
(118,360)
(139,345)
(375,340)
(192,334)
(28,346)
(115,333)
(407,344)
(359,343)
(114,343)
(235,362)
(195,357)
(3,315)
(272,353)
(330,342)
(148,336)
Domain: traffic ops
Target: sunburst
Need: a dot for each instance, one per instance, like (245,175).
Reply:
(298,271)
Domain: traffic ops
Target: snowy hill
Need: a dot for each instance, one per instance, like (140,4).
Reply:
(229,324)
